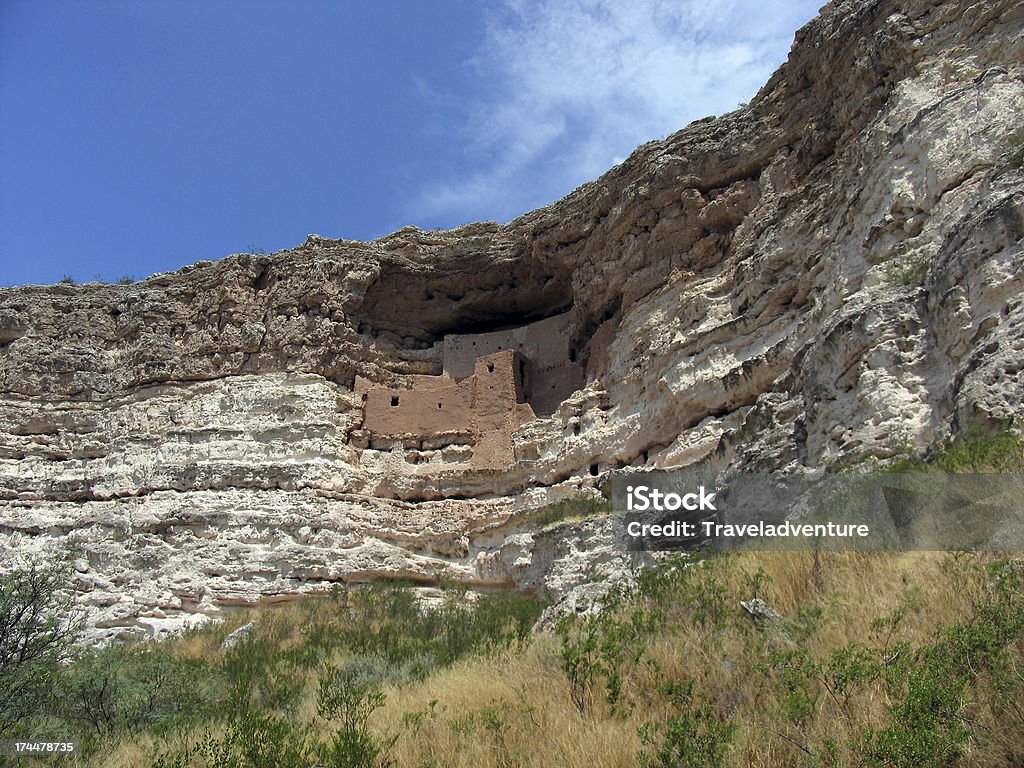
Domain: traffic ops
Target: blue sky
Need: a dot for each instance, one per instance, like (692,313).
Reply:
(138,136)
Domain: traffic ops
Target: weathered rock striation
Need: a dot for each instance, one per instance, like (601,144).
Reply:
(829,275)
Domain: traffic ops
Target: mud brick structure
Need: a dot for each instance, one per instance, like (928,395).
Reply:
(544,343)
(434,405)
(548,369)
(491,384)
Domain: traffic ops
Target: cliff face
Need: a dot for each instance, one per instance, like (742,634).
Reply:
(830,274)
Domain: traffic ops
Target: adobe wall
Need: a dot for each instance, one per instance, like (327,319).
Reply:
(544,343)
(491,383)
(431,405)
(496,390)
(485,401)
(597,362)
(549,372)
(552,386)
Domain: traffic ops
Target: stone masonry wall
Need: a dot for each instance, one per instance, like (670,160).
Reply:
(546,389)
(548,369)
(434,405)
(431,405)
(544,343)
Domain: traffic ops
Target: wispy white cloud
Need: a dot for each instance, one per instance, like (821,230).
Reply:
(570,87)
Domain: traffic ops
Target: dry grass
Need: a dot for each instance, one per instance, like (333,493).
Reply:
(508,709)
(533,721)
(512,707)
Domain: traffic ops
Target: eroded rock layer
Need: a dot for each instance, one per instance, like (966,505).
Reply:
(829,275)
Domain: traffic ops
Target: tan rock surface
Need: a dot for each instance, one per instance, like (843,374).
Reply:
(830,274)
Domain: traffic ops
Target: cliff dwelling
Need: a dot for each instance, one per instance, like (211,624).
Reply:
(491,383)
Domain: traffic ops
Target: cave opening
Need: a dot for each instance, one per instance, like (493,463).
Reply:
(428,290)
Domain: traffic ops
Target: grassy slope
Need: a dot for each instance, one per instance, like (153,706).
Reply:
(909,659)
(513,705)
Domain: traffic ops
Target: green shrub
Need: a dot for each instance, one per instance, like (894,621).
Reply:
(253,739)
(347,698)
(794,676)
(1016,148)
(930,687)
(693,737)
(572,508)
(974,452)
(605,646)
(133,688)
(256,673)
(386,621)
(910,271)
(38,631)
(258,738)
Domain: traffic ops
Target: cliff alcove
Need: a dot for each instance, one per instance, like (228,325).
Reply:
(828,276)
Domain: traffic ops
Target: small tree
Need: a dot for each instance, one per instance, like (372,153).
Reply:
(347,699)
(38,629)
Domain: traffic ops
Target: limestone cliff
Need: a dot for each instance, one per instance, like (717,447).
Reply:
(830,274)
